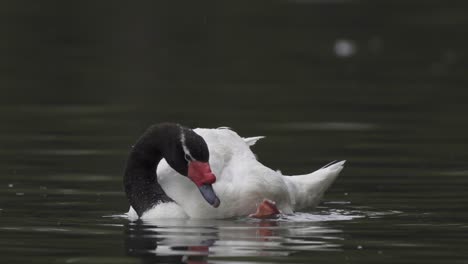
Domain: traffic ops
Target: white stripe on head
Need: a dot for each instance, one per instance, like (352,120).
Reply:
(184,146)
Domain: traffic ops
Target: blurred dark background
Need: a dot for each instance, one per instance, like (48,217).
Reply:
(231,53)
(326,66)
(348,79)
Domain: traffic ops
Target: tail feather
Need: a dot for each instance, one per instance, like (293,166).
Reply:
(335,165)
(307,190)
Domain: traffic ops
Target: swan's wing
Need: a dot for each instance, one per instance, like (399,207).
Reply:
(252,140)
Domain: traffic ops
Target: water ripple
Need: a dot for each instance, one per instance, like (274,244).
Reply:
(245,237)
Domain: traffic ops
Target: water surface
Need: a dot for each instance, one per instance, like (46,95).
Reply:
(382,86)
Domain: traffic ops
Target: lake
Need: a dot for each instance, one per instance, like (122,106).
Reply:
(382,86)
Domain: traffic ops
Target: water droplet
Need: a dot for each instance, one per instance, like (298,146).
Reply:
(359,247)
(10,185)
(346,194)
(345,48)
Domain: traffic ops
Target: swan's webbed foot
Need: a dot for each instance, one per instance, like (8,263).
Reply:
(266,209)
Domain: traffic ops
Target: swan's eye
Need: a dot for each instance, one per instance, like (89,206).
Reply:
(187,157)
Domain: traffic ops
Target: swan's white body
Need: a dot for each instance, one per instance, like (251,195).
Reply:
(241,182)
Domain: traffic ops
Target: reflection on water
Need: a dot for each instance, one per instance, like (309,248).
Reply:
(196,240)
(192,240)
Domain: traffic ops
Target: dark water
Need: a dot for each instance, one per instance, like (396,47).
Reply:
(382,85)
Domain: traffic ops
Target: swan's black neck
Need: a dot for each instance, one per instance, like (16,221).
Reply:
(140,179)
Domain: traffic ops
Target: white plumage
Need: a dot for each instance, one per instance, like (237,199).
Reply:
(241,182)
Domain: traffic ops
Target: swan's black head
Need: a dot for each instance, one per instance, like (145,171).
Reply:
(185,151)
(183,146)
(197,168)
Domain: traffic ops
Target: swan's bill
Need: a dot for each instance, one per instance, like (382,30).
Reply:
(209,195)
(200,174)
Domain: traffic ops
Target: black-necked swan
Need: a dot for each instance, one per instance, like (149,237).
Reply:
(176,172)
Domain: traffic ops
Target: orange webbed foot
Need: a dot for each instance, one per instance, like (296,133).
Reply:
(266,209)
